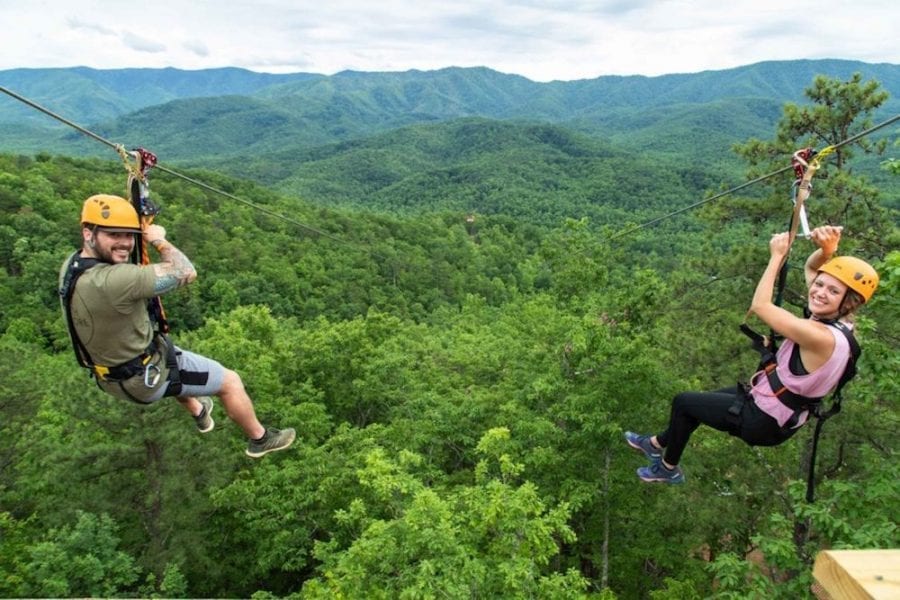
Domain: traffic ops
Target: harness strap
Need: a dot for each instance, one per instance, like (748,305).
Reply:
(768,365)
(128,369)
(174,376)
(785,396)
(734,417)
(820,420)
(765,349)
(75,268)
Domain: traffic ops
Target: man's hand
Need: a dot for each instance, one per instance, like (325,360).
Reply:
(174,269)
(154,233)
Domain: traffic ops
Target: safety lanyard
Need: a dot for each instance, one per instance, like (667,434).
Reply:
(138,163)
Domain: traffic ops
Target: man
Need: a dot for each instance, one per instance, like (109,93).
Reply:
(105,300)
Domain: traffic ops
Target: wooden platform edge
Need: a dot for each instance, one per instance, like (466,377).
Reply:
(858,574)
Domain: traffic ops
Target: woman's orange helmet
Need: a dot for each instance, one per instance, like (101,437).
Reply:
(856,274)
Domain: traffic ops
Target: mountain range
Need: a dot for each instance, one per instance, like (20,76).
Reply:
(364,137)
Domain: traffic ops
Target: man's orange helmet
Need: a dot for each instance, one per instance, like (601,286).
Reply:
(112,213)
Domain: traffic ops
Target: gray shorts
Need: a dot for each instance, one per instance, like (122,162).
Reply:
(200,376)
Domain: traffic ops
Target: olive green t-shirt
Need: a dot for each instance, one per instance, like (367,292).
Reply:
(109,311)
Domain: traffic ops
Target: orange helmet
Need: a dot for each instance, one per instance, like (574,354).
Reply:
(856,274)
(112,213)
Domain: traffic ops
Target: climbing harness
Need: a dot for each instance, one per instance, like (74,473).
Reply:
(797,403)
(75,268)
(138,164)
(142,364)
(768,367)
(805,162)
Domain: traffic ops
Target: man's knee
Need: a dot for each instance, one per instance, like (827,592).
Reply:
(231,382)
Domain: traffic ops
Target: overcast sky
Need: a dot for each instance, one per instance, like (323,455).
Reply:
(543,40)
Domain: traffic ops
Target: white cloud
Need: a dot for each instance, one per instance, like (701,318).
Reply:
(196,48)
(540,39)
(142,44)
(91,28)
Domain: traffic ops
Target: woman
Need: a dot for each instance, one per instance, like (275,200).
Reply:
(810,362)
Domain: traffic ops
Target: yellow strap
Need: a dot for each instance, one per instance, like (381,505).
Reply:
(823,153)
(101,372)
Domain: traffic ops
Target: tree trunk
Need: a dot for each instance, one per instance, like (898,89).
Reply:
(604,568)
(153,509)
(801,526)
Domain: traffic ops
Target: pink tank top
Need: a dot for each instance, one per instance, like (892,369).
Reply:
(813,385)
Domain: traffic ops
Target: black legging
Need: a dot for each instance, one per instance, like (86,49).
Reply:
(692,409)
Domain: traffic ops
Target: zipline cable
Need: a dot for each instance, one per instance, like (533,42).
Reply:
(748,183)
(196,182)
(59,118)
(262,209)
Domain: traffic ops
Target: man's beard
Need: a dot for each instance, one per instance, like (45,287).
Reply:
(106,254)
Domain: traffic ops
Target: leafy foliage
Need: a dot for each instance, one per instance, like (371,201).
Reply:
(460,342)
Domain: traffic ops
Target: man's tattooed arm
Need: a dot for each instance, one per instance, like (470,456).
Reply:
(175,269)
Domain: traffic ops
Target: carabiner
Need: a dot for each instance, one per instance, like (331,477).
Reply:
(151,375)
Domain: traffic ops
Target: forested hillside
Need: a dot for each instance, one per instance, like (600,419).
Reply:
(536,173)
(95,95)
(460,324)
(474,139)
(186,116)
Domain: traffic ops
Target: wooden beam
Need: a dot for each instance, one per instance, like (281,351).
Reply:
(859,574)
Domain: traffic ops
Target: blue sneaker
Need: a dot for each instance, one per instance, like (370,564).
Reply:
(657,471)
(642,443)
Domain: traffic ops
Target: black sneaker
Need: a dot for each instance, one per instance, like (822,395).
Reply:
(274,439)
(204,420)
